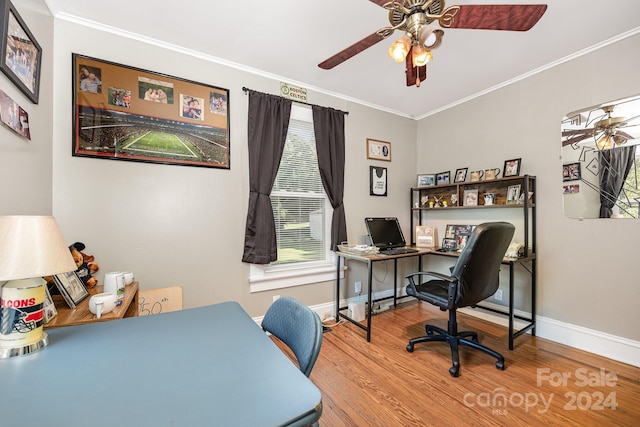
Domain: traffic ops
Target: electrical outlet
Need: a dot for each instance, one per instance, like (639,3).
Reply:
(498,295)
(358,286)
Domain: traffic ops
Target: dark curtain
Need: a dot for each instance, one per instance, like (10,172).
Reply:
(329,131)
(268,125)
(615,165)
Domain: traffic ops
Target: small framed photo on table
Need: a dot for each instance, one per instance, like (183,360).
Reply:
(426,180)
(513,193)
(442,178)
(461,175)
(71,288)
(425,236)
(511,168)
(49,309)
(471,197)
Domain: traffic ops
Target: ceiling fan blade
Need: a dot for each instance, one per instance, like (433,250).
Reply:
(414,75)
(380,2)
(574,132)
(509,17)
(352,50)
(573,137)
(624,135)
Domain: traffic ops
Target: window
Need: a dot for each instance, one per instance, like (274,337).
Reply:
(629,198)
(302,214)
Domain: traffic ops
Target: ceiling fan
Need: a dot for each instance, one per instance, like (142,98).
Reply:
(605,129)
(417,18)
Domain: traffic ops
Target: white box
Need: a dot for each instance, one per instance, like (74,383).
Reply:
(356,311)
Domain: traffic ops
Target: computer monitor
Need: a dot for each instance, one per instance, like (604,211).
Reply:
(385,233)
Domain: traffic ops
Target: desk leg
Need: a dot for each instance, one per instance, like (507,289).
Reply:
(534,284)
(369,298)
(511,286)
(395,282)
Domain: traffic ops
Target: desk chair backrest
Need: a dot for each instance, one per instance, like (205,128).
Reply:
(298,327)
(478,266)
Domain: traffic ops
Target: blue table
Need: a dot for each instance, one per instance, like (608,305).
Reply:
(207,366)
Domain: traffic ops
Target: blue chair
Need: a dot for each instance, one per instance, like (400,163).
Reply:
(298,327)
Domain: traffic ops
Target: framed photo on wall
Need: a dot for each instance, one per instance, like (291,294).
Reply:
(378,150)
(20,53)
(126,113)
(571,172)
(377,181)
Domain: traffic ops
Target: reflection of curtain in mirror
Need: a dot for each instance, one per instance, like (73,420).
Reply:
(615,165)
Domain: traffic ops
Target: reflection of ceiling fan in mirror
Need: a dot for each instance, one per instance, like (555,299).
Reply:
(606,129)
(417,19)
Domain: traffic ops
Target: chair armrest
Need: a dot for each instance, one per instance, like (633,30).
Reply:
(453,284)
(433,274)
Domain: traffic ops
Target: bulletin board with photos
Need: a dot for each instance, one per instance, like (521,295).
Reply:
(127,113)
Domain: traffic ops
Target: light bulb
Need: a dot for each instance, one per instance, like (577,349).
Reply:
(400,48)
(420,56)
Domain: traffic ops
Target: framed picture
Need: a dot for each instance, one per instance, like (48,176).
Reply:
(571,189)
(571,172)
(49,308)
(513,193)
(511,168)
(126,113)
(461,175)
(426,236)
(377,181)
(426,180)
(71,288)
(471,197)
(378,150)
(20,54)
(14,116)
(442,178)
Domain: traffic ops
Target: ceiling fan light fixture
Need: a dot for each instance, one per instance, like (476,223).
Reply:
(400,48)
(430,37)
(420,55)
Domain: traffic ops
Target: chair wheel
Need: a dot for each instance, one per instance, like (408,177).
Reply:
(410,348)
(454,371)
(500,365)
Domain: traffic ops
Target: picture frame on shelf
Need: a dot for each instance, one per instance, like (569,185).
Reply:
(513,194)
(71,287)
(49,308)
(378,150)
(426,180)
(442,178)
(461,175)
(21,55)
(571,172)
(377,181)
(511,168)
(127,113)
(471,197)
(426,236)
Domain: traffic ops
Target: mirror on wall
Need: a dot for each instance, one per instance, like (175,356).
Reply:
(601,161)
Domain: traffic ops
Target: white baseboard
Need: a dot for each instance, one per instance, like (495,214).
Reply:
(611,346)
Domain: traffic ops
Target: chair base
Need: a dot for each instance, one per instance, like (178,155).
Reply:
(461,338)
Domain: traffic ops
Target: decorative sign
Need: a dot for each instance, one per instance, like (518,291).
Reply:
(293,92)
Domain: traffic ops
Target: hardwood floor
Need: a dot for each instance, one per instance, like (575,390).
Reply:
(544,383)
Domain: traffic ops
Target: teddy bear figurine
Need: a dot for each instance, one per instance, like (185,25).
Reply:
(86,264)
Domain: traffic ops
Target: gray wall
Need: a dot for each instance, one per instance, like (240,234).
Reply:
(587,271)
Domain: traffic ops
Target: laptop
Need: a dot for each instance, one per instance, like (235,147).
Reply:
(386,234)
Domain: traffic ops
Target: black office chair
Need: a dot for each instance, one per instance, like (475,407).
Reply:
(474,278)
(298,327)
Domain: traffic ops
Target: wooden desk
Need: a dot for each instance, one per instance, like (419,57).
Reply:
(371,259)
(81,314)
(206,366)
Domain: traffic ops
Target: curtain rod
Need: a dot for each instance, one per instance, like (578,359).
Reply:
(246,89)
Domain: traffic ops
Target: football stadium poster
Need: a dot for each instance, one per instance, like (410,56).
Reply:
(126,113)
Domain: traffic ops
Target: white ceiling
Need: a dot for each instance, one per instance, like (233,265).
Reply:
(286,39)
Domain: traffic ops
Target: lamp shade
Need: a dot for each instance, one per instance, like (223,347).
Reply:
(32,246)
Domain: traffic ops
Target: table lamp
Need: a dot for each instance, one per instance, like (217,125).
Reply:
(31,247)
